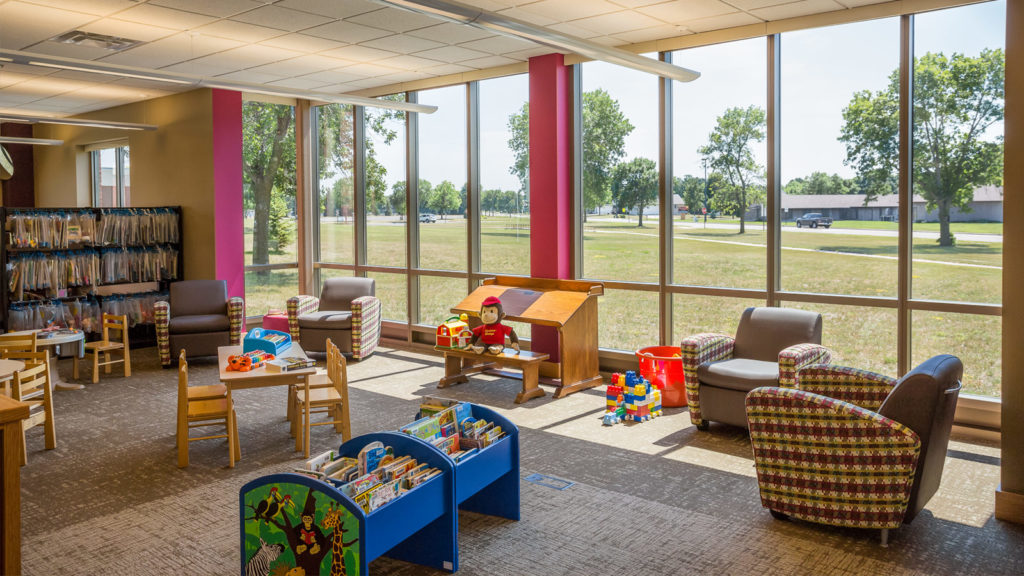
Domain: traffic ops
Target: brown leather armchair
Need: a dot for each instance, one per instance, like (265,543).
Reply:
(826,459)
(199,318)
(770,347)
(347,312)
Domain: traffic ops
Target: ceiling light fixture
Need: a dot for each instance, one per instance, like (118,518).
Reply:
(34,141)
(471,16)
(4,117)
(33,59)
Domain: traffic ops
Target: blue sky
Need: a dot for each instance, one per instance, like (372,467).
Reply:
(821,70)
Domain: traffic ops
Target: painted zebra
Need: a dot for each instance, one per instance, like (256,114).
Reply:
(259,564)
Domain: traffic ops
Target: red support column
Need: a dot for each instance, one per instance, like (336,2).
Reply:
(227,183)
(550,180)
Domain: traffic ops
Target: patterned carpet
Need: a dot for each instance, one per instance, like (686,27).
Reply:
(652,498)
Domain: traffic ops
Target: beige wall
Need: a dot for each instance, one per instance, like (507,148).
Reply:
(170,166)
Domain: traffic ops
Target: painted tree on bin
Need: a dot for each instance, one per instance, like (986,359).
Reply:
(956,100)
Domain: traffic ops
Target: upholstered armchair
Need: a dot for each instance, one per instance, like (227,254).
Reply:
(830,461)
(199,319)
(347,312)
(770,347)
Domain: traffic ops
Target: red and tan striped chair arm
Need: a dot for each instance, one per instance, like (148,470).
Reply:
(366,319)
(697,350)
(792,359)
(859,387)
(827,461)
(162,317)
(297,306)
(236,317)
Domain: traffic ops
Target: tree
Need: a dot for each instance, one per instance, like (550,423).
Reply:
(281,224)
(728,152)
(426,194)
(635,185)
(444,199)
(821,183)
(519,143)
(268,143)
(605,128)
(691,190)
(397,197)
(956,100)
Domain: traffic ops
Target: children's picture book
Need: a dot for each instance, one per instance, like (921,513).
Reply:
(371,455)
(424,428)
(289,364)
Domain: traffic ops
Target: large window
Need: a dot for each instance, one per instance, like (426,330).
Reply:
(111,177)
(335,156)
(718,165)
(271,250)
(504,175)
(385,186)
(442,187)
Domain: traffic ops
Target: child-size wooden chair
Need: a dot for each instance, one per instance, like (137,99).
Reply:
(17,342)
(323,396)
(203,411)
(31,385)
(106,346)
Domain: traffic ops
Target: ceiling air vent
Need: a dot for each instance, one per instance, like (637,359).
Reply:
(94,40)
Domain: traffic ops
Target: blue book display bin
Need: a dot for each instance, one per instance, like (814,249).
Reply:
(299,521)
(270,341)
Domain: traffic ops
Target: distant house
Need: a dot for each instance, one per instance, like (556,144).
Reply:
(987,205)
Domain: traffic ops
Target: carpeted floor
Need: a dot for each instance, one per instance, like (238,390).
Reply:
(652,498)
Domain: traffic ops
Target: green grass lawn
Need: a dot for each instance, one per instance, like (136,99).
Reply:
(616,249)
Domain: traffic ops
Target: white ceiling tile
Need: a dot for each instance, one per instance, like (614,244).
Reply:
(499,44)
(451,54)
(531,17)
(238,31)
(606,40)
(406,76)
(403,44)
(24,70)
(348,32)
(394,19)
(367,70)
(166,17)
(795,9)
(530,53)
(856,3)
(180,47)
(450,33)
(488,62)
(46,86)
(219,8)
(282,18)
(130,30)
(358,53)
(250,76)
(340,88)
(720,22)
(95,7)
(407,62)
(298,83)
(70,50)
(636,3)
(447,69)
(22,25)
(200,69)
(245,57)
(301,65)
(574,30)
(617,22)
(10,78)
(681,11)
(302,43)
(11,98)
(334,76)
(755,4)
(653,33)
(496,5)
(360,84)
(331,8)
(565,10)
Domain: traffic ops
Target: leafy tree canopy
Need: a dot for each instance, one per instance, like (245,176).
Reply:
(729,152)
(635,185)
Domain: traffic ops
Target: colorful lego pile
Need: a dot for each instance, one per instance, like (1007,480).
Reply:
(631,397)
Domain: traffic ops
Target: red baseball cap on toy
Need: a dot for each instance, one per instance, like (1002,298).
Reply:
(491,301)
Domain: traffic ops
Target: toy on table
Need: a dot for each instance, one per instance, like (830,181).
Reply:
(454,333)
(490,335)
(248,361)
(631,397)
(270,341)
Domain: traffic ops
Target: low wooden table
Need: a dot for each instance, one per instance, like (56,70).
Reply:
(459,364)
(74,338)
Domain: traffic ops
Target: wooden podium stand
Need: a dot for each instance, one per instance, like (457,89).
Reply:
(570,306)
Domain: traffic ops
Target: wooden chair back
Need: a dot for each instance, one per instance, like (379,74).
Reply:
(32,386)
(115,323)
(18,342)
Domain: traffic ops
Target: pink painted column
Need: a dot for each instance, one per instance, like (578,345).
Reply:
(227,183)
(550,180)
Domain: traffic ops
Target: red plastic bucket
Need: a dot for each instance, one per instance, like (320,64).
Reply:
(663,366)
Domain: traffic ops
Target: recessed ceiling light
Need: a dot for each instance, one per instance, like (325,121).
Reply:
(94,40)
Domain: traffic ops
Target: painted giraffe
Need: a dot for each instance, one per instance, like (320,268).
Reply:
(333,519)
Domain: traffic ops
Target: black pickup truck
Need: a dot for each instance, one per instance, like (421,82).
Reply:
(813,220)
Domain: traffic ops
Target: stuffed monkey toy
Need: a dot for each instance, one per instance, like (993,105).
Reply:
(490,335)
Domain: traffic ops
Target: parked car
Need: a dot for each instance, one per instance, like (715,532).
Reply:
(428,218)
(813,220)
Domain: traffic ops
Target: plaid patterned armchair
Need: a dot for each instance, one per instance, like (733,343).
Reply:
(770,348)
(347,312)
(199,318)
(830,461)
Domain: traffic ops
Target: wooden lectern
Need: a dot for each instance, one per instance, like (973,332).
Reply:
(570,306)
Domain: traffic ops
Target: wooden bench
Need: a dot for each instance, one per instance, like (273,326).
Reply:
(459,364)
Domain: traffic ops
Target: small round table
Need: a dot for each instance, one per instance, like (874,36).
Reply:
(9,367)
(75,337)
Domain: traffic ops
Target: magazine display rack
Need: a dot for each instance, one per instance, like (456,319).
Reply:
(339,537)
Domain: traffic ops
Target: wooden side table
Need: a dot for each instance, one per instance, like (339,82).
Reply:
(459,364)
(12,413)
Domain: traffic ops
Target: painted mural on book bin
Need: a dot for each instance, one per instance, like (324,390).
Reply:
(293,530)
